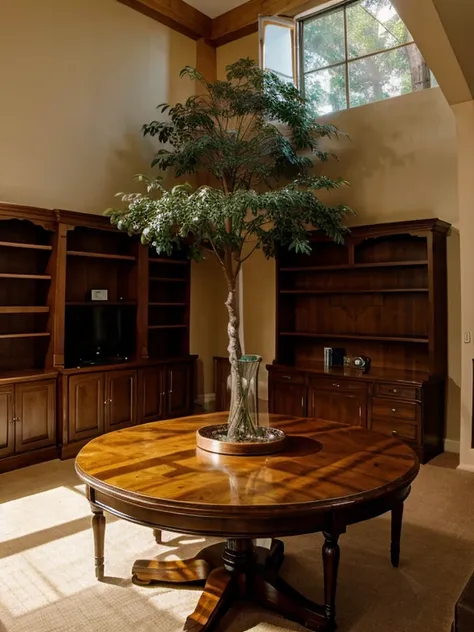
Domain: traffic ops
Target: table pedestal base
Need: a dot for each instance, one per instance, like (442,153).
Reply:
(238,569)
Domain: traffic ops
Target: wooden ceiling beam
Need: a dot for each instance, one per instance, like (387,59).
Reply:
(236,23)
(175,14)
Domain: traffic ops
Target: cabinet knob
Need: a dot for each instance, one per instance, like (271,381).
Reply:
(394,390)
(336,385)
(394,410)
(395,433)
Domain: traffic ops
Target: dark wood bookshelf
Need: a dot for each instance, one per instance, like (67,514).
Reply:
(382,295)
(53,400)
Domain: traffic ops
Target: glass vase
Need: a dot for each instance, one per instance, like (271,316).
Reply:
(243,415)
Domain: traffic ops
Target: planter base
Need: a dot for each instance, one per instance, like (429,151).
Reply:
(214,439)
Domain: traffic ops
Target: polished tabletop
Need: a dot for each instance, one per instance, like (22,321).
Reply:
(325,464)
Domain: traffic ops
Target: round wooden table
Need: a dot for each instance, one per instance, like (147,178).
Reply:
(329,476)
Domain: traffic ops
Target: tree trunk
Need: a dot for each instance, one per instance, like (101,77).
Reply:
(233,349)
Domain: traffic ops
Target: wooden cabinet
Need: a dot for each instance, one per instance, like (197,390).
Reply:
(412,412)
(27,420)
(35,415)
(7,421)
(86,406)
(152,395)
(120,399)
(109,398)
(180,390)
(335,401)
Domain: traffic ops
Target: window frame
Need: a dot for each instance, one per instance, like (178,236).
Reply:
(314,14)
(292,25)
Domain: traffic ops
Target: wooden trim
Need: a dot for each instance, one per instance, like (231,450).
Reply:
(175,14)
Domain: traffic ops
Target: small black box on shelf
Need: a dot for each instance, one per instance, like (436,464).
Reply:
(334,356)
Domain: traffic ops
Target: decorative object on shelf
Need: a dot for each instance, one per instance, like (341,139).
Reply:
(361,362)
(99,295)
(334,356)
(237,217)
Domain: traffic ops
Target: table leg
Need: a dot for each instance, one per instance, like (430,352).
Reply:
(98,528)
(331,555)
(158,536)
(397,518)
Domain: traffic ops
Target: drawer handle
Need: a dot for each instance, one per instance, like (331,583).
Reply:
(394,410)
(336,385)
(393,390)
(286,377)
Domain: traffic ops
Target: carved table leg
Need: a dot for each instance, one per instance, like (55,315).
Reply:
(158,536)
(213,603)
(98,529)
(330,565)
(397,518)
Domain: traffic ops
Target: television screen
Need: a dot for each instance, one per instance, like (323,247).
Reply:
(98,334)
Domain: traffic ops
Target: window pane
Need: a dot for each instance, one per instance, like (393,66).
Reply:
(326,90)
(278,50)
(387,75)
(373,25)
(323,40)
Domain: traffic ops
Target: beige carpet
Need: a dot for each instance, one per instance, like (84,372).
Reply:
(47,581)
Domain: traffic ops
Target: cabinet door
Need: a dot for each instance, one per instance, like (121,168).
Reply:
(35,413)
(288,399)
(121,398)
(152,396)
(347,407)
(180,390)
(86,406)
(7,438)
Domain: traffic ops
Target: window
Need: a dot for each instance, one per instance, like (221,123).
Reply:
(352,54)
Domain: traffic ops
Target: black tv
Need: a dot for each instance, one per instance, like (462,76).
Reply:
(99,334)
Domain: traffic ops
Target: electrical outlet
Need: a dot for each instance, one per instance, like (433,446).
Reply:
(467,337)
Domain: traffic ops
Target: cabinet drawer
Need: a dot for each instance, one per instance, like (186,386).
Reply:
(395,410)
(288,377)
(398,429)
(333,384)
(395,390)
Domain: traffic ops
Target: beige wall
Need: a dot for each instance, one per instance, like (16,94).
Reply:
(401,162)
(78,80)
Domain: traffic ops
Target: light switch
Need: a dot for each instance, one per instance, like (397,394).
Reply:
(467,337)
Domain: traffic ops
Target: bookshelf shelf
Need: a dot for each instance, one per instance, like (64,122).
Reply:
(14,244)
(100,255)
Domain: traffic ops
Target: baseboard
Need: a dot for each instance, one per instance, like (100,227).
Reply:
(465,468)
(452,446)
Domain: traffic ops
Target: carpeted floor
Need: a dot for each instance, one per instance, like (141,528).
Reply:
(47,581)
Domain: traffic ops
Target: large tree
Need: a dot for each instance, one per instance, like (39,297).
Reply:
(257,139)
